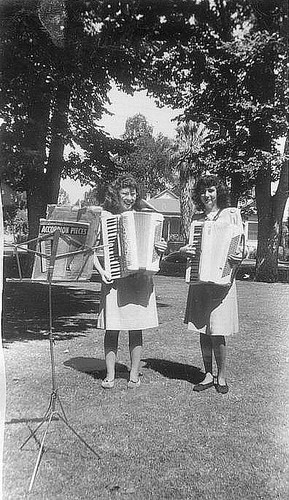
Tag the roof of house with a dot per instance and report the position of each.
(166, 202)
(166, 205)
(167, 193)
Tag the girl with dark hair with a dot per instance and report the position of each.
(212, 310)
(127, 303)
(207, 182)
(115, 204)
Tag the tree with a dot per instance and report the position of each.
(63, 197)
(223, 62)
(59, 59)
(44, 110)
(188, 144)
(232, 77)
(95, 196)
(150, 158)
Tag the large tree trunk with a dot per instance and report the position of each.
(270, 212)
(237, 187)
(187, 183)
(58, 134)
(36, 202)
(43, 181)
(35, 156)
(268, 242)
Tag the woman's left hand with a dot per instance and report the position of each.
(161, 246)
(235, 259)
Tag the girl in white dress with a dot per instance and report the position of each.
(212, 310)
(127, 303)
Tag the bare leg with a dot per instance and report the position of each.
(135, 349)
(110, 351)
(219, 347)
(207, 353)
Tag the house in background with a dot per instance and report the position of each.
(168, 204)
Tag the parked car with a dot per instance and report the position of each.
(174, 264)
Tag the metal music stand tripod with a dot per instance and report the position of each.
(55, 410)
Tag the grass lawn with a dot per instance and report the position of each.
(161, 441)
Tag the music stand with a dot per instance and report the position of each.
(52, 413)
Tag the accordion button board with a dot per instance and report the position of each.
(215, 241)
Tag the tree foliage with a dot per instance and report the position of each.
(232, 77)
(58, 61)
(188, 146)
(223, 62)
(150, 159)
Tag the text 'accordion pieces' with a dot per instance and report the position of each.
(67, 238)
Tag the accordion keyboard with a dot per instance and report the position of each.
(113, 247)
(194, 263)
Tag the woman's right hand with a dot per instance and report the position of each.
(105, 277)
(103, 274)
(189, 250)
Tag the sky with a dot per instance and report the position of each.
(124, 106)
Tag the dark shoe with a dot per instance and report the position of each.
(222, 389)
(203, 387)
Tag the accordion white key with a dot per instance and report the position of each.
(215, 241)
(129, 243)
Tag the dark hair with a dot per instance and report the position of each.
(207, 181)
(111, 201)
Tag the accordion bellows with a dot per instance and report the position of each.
(215, 241)
(129, 242)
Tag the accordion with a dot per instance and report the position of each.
(65, 247)
(129, 243)
(215, 241)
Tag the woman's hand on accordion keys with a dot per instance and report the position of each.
(161, 246)
(105, 277)
(235, 259)
(189, 250)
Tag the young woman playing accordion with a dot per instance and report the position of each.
(127, 303)
(212, 309)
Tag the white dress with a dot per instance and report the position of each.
(128, 304)
(213, 309)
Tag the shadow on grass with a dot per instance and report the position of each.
(96, 367)
(162, 304)
(173, 370)
(26, 311)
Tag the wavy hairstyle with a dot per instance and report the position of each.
(112, 201)
(223, 199)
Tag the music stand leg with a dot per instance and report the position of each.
(44, 419)
(40, 453)
(51, 411)
(77, 435)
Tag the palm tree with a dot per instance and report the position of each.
(189, 141)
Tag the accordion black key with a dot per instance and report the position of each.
(129, 243)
